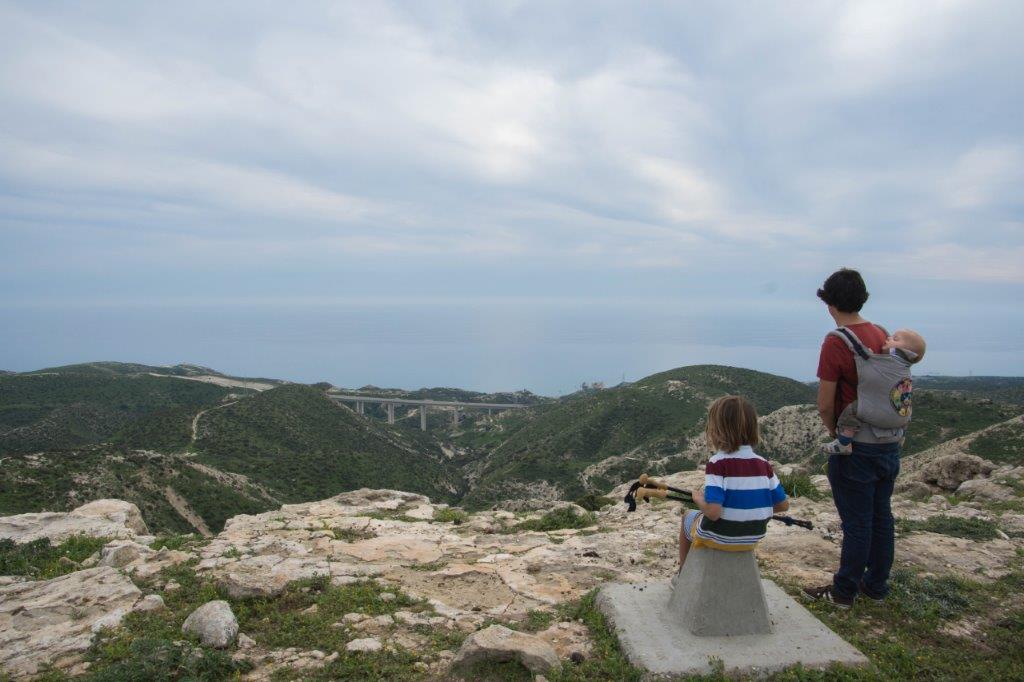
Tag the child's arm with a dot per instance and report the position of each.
(781, 506)
(712, 510)
(780, 502)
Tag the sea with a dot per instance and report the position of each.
(549, 347)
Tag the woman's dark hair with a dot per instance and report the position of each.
(845, 290)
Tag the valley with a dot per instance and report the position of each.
(193, 447)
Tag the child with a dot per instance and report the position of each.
(905, 345)
(741, 492)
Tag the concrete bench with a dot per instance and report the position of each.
(719, 593)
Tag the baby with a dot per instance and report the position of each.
(905, 345)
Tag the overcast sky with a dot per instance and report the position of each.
(194, 152)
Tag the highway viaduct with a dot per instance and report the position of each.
(389, 403)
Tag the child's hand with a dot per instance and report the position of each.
(698, 497)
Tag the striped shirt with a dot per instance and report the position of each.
(745, 485)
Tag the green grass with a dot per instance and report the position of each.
(41, 560)
(606, 661)
(957, 526)
(556, 519)
(903, 636)
(800, 485)
(151, 645)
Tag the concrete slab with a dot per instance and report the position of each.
(654, 638)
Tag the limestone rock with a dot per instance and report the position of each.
(111, 621)
(214, 623)
(365, 645)
(949, 471)
(914, 490)
(985, 489)
(151, 602)
(498, 643)
(101, 519)
(120, 554)
(51, 621)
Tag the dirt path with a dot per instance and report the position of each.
(195, 421)
(186, 512)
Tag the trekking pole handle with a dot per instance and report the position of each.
(643, 493)
(649, 482)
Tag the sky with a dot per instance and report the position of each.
(724, 156)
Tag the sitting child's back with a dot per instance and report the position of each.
(745, 485)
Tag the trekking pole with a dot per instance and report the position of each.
(647, 487)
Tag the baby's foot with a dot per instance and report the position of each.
(837, 448)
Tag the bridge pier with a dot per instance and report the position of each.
(455, 416)
(391, 413)
(423, 417)
(359, 408)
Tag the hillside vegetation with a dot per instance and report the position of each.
(651, 419)
(63, 480)
(303, 445)
(52, 411)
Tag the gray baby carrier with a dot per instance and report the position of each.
(884, 390)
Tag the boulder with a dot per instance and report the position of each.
(120, 554)
(985, 489)
(914, 490)
(949, 471)
(214, 623)
(151, 602)
(50, 622)
(100, 519)
(117, 512)
(498, 643)
(364, 645)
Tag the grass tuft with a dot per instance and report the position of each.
(957, 526)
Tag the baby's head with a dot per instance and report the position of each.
(907, 340)
(732, 423)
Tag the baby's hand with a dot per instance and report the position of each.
(698, 497)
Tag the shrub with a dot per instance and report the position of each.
(593, 502)
(557, 519)
(450, 515)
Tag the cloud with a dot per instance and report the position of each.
(525, 136)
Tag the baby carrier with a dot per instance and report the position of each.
(884, 390)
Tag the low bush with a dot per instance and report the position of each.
(957, 526)
(40, 560)
(557, 519)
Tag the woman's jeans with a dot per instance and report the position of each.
(862, 485)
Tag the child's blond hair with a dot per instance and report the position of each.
(732, 423)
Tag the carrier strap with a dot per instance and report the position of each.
(851, 340)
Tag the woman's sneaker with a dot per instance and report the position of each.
(837, 448)
(827, 595)
(869, 594)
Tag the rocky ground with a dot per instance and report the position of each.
(387, 583)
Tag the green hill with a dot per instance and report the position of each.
(41, 411)
(940, 415)
(651, 419)
(998, 389)
(168, 489)
(302, 445)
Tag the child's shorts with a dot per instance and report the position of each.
(690, 521)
